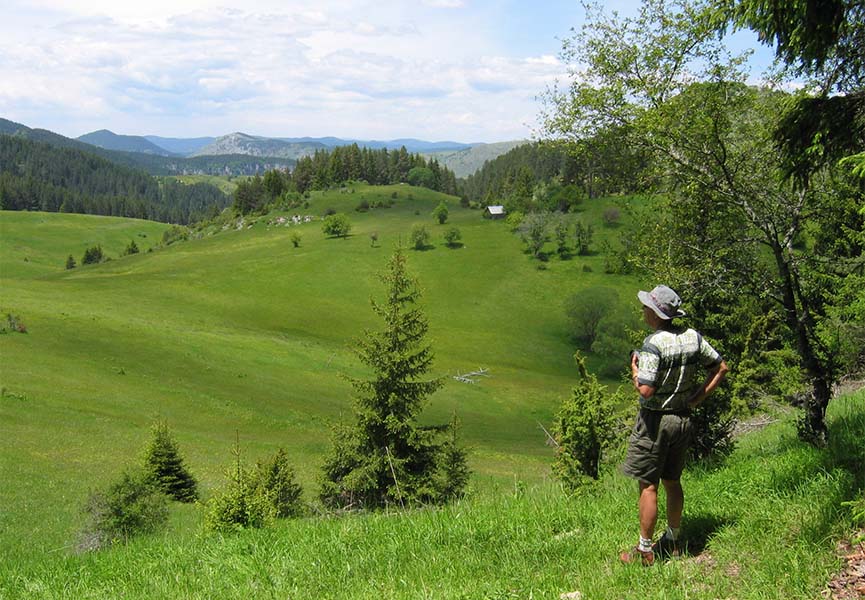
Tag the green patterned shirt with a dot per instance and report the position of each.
(673, 362)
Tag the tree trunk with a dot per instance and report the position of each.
(813, 428)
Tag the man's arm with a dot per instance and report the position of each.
(646, 391)
(716, 375)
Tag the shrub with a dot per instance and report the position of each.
(92, 255)
(452, 237)
(70, 262)
(164, 465)
(419, 237)
(585, 426)
(131, 506)
(585, 312)
(583, 235)
(612, 216)
(441, 212)
(514, 220)
(329, 211)
(336, 225)
(131, 248)
(238, 505)
(275, 481)
(295, 239)
(373, 238)
(363, 206)
(173, 234)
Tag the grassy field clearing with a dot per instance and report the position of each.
(764, 525)
(242, 332)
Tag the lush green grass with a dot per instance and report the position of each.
(761, 526)
(242, 332)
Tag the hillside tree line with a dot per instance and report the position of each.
(36, 176)
(326, 169)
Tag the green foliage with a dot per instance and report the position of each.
(586, 311)
(336, 225)
(163, 463)
(295, 238)
(738, 239)
(275, 481)
(250, 196)
(514, 220)
(534, 231)
(585, 426)
(560, 231)
(386, 457)
(239, 504)
(713, 427)
(70, 262)
(419, 237)
(92, 255)
(131, 248)
(441, 212)
(583, 235)
(131, 506)
(175, 233)
(612, 216)
(452, 237)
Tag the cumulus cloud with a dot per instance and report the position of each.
(281, 70)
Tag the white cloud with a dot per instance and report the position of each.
(184, 68)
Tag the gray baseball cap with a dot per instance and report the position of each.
(663, 301)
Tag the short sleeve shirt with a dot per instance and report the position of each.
(674, 363)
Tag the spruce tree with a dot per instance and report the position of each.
(164, 465)
(275, 480)
(386, 457)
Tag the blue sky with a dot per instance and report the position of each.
(463, 70)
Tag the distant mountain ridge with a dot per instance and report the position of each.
(125, 143)
(241, 153)
(154, 164)
(242, 143)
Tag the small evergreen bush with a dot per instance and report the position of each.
(584, 428)
(92, 255)
(239, 504)
(275, 481)
(164, 465)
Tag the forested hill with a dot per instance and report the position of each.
(598, 167)
(40, 176)
(155, 165)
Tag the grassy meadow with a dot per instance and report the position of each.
(242, 333)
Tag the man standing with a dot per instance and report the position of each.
(667, 373)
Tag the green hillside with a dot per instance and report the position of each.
(242, 332)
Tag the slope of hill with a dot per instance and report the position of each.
(125, 143)
(241, 143)
(466, 161)
(241, 331)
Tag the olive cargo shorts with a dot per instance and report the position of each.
(658, 445)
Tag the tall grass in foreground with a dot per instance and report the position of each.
(761, 526)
